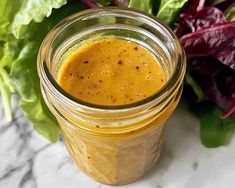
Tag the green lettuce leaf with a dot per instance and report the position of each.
(214, 131)
(144, 5)
(6, 98)
(15, 14)
(169, 10)
(1, 48)
(6, 61)
(18, 71)
(196, 88)
(23, 75)
(24, 79)
(215, 2)
(230, 13)
(42, 119)
(103, 2)
(7, 13)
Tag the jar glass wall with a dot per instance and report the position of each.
(112, 144)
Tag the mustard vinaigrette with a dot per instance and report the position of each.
(111, 71)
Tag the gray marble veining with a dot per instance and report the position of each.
(27, 160)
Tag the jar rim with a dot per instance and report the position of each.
(46, 77)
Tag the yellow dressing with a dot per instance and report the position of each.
(111, 71)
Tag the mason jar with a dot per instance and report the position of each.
(112, 144)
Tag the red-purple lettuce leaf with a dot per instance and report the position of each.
(91, 3)
(205, 18)
(217, 41)
(216, 80)
(209, 41)
(226, 53)
(195, 6)
(191, 9)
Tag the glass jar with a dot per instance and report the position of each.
(112, 144)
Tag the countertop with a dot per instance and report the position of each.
(27, 160)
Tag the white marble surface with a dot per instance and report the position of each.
(27, 160)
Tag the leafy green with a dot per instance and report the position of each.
(15, 14)
(6, 96)
(22, 70)
(43, 121)
(144, 5)
(214, 131)
(103, 2)
(230, 13)
(215, 2)
(196, 88)
(1, 48)
(6, 89)
(7, 13)
(169, 9)
(23, 78)
(18, 71)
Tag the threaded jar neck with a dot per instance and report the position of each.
(122, 23)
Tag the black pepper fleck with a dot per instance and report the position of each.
(120, 62)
